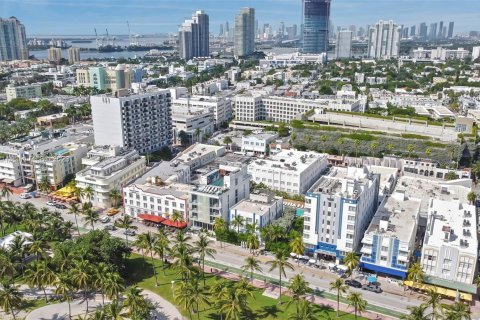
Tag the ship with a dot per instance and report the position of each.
(81, 41)
(137, 47)
(110, 48)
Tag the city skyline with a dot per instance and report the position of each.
(149, 17)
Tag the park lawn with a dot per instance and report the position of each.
(262, 307)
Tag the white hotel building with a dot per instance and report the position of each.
(290, 171)
(338, 210)
(220, 106)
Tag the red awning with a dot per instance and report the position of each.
(151, 217)
(175, 224)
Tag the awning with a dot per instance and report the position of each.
(151, 218)
(342, 267)
(175, 224)
(325, 252)
(7, 180)
(443, 291)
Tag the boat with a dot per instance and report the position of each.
(81, 41)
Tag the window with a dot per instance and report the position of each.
(351, 208)
(306, 228)
(182, 205)
(166, 202)
(159, 201)
(383, 258)
(384, 248)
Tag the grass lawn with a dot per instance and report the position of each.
(261, 307)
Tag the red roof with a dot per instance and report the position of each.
(151, 217)
(175, 224)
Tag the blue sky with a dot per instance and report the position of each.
(66, 17)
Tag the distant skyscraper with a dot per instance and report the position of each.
(423, 31)
(54, 55)
(13, 42)
(245, 32)
(433, 31)
(413, 31)
(73, 55)
(450, 30)
(384, 40)
(220, 33)
(316, 17)
(194, 37)
(343, 48)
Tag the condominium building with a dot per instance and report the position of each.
(55, 55)
(112, 173)
(11, 172)
(384, 40)
(450, 247)
(248, 108)
(343, 48)
(192, 122)
(113, 79)
(338, 210)
(194, 37)
(140, 121)
(59, 164)
(440, 53)
(244, 32)
(13, 40)
(198, 155)
(261, 209)
(289, 170)
(258, 143)
(30, 91)
(220, 106)
(73, 55)
(316, 22)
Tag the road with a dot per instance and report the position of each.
(393, 297)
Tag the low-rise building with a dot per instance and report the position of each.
(258, 143)
(30, 91)
(290, 171)
(193, 123)
(11, 172)
(261, 209)
(198, 155)
(220, 106)
(52, 119)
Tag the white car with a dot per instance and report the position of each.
(25, 196)
(51, 203)
(105, 220)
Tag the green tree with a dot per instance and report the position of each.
(390, 148)
(339, 286)
(114, 311)
(356, 301)
(138, 307)
(182, 294)
(87, 193)
(202, 247)
(113, 285)
(162, 247)
(428, 151)
(298, 288)
(219, 226)
(297, 246)
(323, 138)
(356, 145)
(149, 241)
(415, 273)
(306, 312)
(351, 260)
(456, 311)
(434, 302)
(410, 149)
(44, 184)
(416, 313)
(238, 222)
(90, 215)
(340, 143)
(73, 209)
(281, 263)
(115, 196)
(251, 264)
(471, 197)
(5, 191)
(373, 147)
(227, 140)
(126, 222)
(64, 288)
(40, 275)
(10, 298)
(81, 275)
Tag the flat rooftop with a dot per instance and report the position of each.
(289, 160)
(178, 190)
(257, 207)
(163, 170)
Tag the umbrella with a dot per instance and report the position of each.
(371, 279)
(293, 254)
(331, 265)
(342, 267)
(312, 261)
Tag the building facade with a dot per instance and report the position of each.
(54, 55)
(384, 40)
(139, 121)
(13, 41)
(30, 91)
(73, 55)
(316, 17)
(343, 49)
(244, 32)
(194, 37)
(104, 79)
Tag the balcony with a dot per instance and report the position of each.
(367, 250)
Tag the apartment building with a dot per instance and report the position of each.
(194, 122)
(139, 121)
(338, 210)
(198, 155)
(261, 209)
(258, 143)
(289, 170)
(30, 91)
(220, 106)
(109, 174)
(58, 164)
(248, 108)
(11, 172)
(107, 78)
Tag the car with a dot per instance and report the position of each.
(110, 227)
(112, 211)
(60, 206)
(129, 232)
(353, 283)
(51, 203)
(105, 220)
(25, 196)
(372, 288)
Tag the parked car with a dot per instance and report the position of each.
(105, 220)
(60, 206)
(25, 196)
(129, 232)
(353, 283)
(51, 203)
(372, 288)
(110, 227)
(112, 211)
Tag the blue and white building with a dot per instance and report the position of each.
(338, 210)
(389, 241)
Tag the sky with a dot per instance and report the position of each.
(80, 17)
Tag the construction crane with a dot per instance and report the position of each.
(96, 37)
(129, 34)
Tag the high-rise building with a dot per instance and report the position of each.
(433, 31)
(413, 31)
(343, 49)
(384, 40)
(73, 55)
(316, 17)
(194, 37)
(54, 55)
(440, 34)
(139, 121)
(450, 29)
(13, 42)
(423, 31)
(245, 32)
(220, 33)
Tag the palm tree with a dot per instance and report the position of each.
(82, 277)
(410, 149)
(40, 275)
(113, 285)
(476, 169)
(162, 247)
(141, 243)
(100, 277)
(10, 298)
(390, 148)
(471, 197)
(177, 216)
(115, 195)
(36, 248)
(64, 288)
(227, 140)
(297, 246)
(238, 222)
(351, 260)
(428, 151)
(356, 144)
(220, 226)
(373, 147)
(135, 302)
(434, 302)
(323, 138)
(197, 295)
(252, 242)
(339, 286)
(306, 312)
(197, 134)
(5, 191)
(416, 313)
(415, 273)
(125, 222)
(340, 143)
(75, 211)
(281, 263)
(90, 216)
(356, 301)
(203, 250)
(44, 184)
(457, 311)
(298, 288)
(251, 265)
(182, 294)
(114, 311)
(149, 242)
